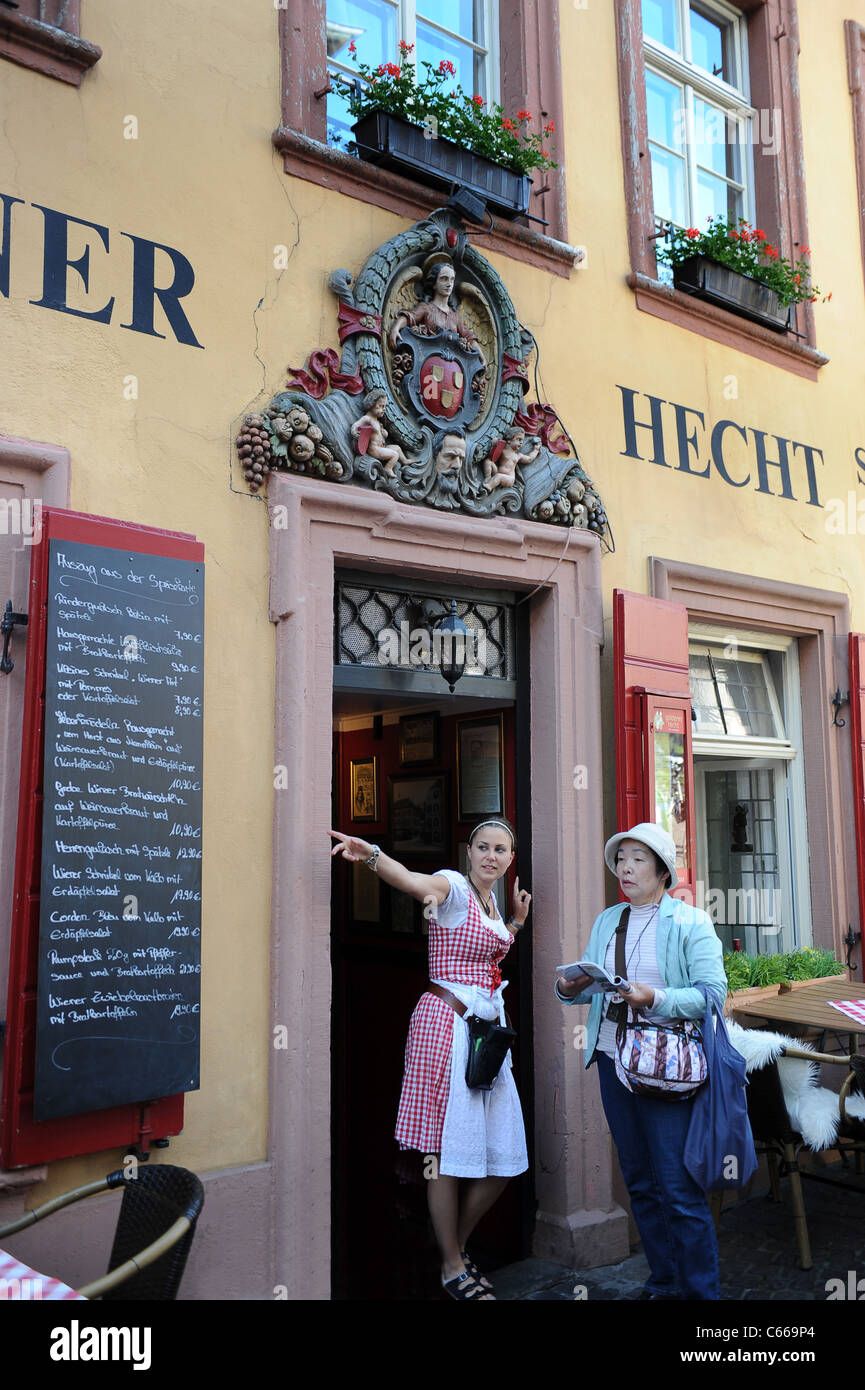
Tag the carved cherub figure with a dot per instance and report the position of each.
(371, 436)
(500, 466)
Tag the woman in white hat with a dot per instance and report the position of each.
(670, 950)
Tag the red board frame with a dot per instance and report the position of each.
(650, 672)
(22, 1140)
(857, 730)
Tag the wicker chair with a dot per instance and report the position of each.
(154, 1231)
(775, 1136)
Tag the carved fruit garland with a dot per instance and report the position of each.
(290, 440)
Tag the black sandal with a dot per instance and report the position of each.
(463, 1287)
(474, 1271)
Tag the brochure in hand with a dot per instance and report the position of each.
(602, 981)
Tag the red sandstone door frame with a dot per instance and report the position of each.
(316, 528)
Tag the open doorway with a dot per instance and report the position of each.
(408, 775)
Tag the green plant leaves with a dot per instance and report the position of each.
(440, 106)
(745, 249)
(744, 971)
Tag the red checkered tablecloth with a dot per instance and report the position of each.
(19, 1282)
(853, 1008)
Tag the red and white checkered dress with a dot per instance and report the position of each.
(466, 952)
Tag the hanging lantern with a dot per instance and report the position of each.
(450, 638)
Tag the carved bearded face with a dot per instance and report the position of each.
(449, 461)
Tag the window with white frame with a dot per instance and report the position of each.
(463, 32)
(698, 111)
(752, 834)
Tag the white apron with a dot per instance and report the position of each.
(483, 1134)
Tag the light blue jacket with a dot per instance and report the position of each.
(689, 954)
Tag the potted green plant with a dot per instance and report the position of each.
(752, 978)
(434, 131)
(734, 265)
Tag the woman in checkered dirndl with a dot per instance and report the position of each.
(473, 1134)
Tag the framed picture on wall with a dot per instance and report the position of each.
(480, 771)
(419, 820)
(403, 912)
(364, 789)
(365, 894)
(499, 888)
(419, 738)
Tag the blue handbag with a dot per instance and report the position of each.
(719, 1149)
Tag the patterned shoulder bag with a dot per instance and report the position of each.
(663, 1060)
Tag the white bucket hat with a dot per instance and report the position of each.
(655, 836)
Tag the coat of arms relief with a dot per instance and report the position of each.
(427, 400)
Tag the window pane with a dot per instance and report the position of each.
(668, 186)
(742, 835)
(716, 199)
(745, 699)
(432, 47)
(463, 17)
(371, 25)
(711, 48)
(664, 111)
(716, 140)
(661, 22)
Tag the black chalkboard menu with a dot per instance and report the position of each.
(120, 915)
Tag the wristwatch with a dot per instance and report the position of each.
(372, 862)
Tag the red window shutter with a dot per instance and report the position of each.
(857, 729)
(654, 756)
(22, 1140)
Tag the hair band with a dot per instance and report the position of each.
(482, 823)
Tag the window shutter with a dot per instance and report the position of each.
(22, 1140)
(654, 757)
(857, 729)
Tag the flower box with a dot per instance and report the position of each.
(718, 284)
(748, 1000)
(395, 144)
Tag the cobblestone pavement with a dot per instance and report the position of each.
(758, 1255)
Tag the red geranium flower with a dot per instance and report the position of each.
(478, 100)
(735, 236)
(692, 232)
(351, 47)
(549, 127)
(447, 66)
(797, 279)
(508, 124)
(405, 47)
(524, 115)
(806, 250)
(759, 234)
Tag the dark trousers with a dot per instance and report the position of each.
(671, 1211)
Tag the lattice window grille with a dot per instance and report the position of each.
(381, 627)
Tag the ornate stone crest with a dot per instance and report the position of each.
(426, 401)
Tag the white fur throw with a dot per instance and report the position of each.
(814, 1111)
